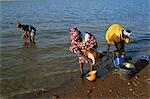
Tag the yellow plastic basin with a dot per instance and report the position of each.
(91, 76)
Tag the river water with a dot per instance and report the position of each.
(50, 64)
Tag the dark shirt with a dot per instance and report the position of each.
(28, 28)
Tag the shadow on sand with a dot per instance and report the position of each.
(139, 65)
(104, 66)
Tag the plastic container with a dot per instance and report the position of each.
(145, 58)
(91, 76)
(117, 62)
(126, 71)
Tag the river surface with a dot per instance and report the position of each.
(50, 64)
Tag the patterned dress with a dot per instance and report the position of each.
(77, 45)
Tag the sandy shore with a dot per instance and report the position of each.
(108, 86)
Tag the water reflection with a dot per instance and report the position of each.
(28, 45)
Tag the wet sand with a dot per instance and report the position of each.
(108, 86)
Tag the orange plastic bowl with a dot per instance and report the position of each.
(91, 76)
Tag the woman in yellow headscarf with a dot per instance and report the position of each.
(118, 36)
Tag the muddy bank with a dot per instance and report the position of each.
(107, 86)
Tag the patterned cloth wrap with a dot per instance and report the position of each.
(75, 45)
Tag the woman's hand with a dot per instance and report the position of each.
(89, 60)
(24, 36)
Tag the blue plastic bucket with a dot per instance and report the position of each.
(117, 62)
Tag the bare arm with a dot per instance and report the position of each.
(108, 48)
(24, 35)
(81, 53)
